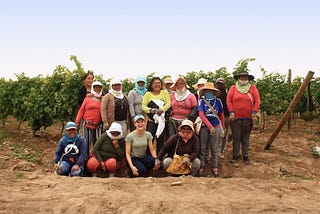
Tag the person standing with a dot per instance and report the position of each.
(71, 152)
(135, 97)
(211, 113)
(155, 103)
(85, 90)
(115, 107)
(243, 101)
(221, 85)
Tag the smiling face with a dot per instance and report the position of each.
(140, 124)
(88, 80)
(156, 85)
(116, 87)
(185, 131)
(180, 84)
(97, 88)
(72, 132)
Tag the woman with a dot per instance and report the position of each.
(85, 90)
(243, 102)
(115, 107)
(71, 152)
(183, 104)
(137, 142)
(108, 151)
(211, 113)
(185, 142)
(198, 86)
(135, 97)
(155, 103)
(89, 112)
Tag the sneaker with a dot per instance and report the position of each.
(215, 172)
(234, 159)
(246, 160)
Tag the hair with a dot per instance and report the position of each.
(151, 82)
(90, 72)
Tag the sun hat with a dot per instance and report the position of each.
(186, 123)
(70, 125)
(174, 86)
(209, 86)
(168, 80)
(237, 76)
(137, 117)
(201, 81)
(96, 83)
(141, 79)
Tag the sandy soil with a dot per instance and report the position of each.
(284, 179)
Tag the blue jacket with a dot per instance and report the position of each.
(78, 152)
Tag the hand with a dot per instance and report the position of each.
(105, 126)
(153, 111)
(157, 163)
(75, 168)
(55, 166)
(212, 131)
(231, 117)
(134, 171)
(186, 162)
(159, 112)
(103, 167)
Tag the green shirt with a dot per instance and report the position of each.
(139, 144)
(104, 149)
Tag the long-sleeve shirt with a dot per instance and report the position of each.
(89, 110)
(243, 105)
(164, 96)
(181, 109)
(191, 147)
(135, 103)
(207, 116)
(103, 148)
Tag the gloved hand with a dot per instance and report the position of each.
(105, 126)
(159, 112)
(186, 162)
(255, 119)
(212, 131)
(153, 111)
(157, 162)
(231, 117)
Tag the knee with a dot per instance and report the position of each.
(166, 163)
(92, 164)
(111, 164)
(196, 163)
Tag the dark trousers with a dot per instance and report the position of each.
(152, 128)
(144, 164)
(241, 130)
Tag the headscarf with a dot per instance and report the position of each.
(115, 127)
(243, 88)
(95, 94)
(141, 90)
(117, 94)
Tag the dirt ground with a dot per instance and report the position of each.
(284, 179)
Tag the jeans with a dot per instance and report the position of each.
(143, 165)
(205, 139)
(64, 168)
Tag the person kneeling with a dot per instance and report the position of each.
(71, 152)
(185, 144)
(108, 151)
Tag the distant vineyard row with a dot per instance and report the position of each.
(43, 101)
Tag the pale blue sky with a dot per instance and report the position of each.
(130, 38)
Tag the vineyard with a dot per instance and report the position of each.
(43, 101)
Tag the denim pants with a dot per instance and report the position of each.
(144, 164)
(205, 140)
(64, 168)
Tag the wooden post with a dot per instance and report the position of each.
(289, 89)
(290, 109)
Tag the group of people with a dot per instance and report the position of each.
(151, 125)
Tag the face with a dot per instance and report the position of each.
(140, 124)
(243, 78)
(180, 84)
(115, 134)
(72, 132)
(185, 131)
(168, 85)
(97, 88)
(116, 87)
(200, 86)
(140, 83)
(89, 80)
(156, 85)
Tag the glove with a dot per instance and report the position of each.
(159, 112)
(186, 162)
(212, 131)
(105, 126)
(255, 119)
(157, 162)
(153, 111)
(231, 117)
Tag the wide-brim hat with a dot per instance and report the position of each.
(237, 76)
(174, 86)
(186, 123)
(201, 81)
(209, 86)
(168, 80)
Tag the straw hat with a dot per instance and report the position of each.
(209, 86)
(174, 86)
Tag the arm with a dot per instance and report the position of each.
(131, 98)
(256, 96)
(103, 110)
(195, 148)
(167, 100)
(145, 101)
(83, 151)
(97, 147)
(129, 160)
(118, 146)
(152, 149)
(59, 152)
(81, 111)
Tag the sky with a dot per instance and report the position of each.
(169, 37)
